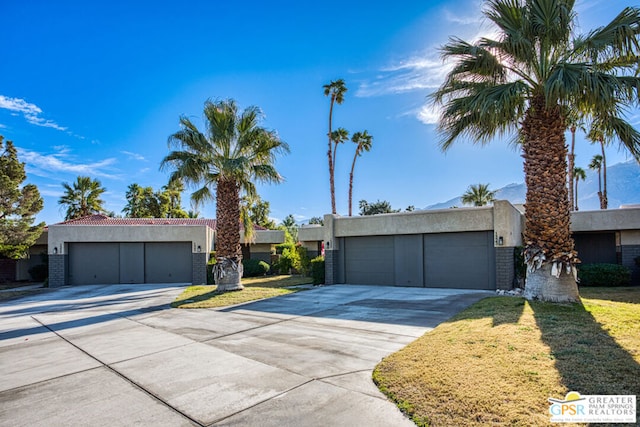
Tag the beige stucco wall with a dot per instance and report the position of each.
(508, 223)
(60, 235)
(311, 233)
(630, 237)
(273, 237)
(607, 219)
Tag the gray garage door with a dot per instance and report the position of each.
(136, 262)
(369, 260)
(93, 263)
(167, 262)
(446, 260)
(459, 260)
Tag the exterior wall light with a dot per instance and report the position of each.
(55, 250)
(500, 241)
(199, 248)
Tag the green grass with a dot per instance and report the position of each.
(255, 288)
(498, 362)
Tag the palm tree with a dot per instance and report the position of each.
(596, 135)
(335, 90)
(524, 81)
(578, 174)
(83, 198)
(478, 195)
(574, 122)
(363, 142)
(596, 165)
(338, 136)
(231, 155)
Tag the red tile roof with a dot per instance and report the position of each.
(106, 220)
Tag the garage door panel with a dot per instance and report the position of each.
(369, 260)
(132, 262)
(168, 262)
(409, 267)
(459, 260)
(94, 263)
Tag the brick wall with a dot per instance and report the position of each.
(199, 272)
(57, 273)
(330, 267)
(629, 252)
(505, 271)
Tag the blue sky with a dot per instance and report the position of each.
(96, 87)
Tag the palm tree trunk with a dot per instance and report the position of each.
(548, 243)
(576, 195)
(228, 267)
(600, 185)
(572, 157)
(331, 166)
(605, 202)
(353, 165)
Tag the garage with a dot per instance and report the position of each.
(440, 260)
(129, 262)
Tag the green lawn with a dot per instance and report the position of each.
(498, 362)
(255, 288)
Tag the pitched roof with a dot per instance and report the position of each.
(105, 220)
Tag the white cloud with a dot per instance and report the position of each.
(3, 126)
(408, 75)
(31, 112)
(57, 163)
(134, 156)
(428, 114)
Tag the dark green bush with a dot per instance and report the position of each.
(317, 270)
(39, 272)
(604, 275)
(281, 247)
(304, 261)
(254, 268)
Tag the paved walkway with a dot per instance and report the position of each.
(117, 355)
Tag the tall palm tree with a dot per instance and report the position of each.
(596, 135)
(231, 155)
(335, 90)
(596, 165)
(524, 81)
(574, 122)
(578, 174)
(478, 195)
(363, 142)
(82, 198)
(338, 136)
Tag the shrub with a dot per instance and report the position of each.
(604, 275)
(39, 272)
(317, 270)
(254, 268)
(305, 262)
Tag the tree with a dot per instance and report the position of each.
(258, 211)
(335, 90)
(231, 155)
(378, 207)
(18, 205)
(316, 220)
(363, 143)
(410, 208)
(289, 225)
(171, 196)
(596, 135)
(578, 174)
(596, 165)
(478, 195)
(82, 198)
(525, 80)
(574, 122)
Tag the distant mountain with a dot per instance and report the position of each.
(623, 188)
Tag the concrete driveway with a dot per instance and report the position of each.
(118, 355)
